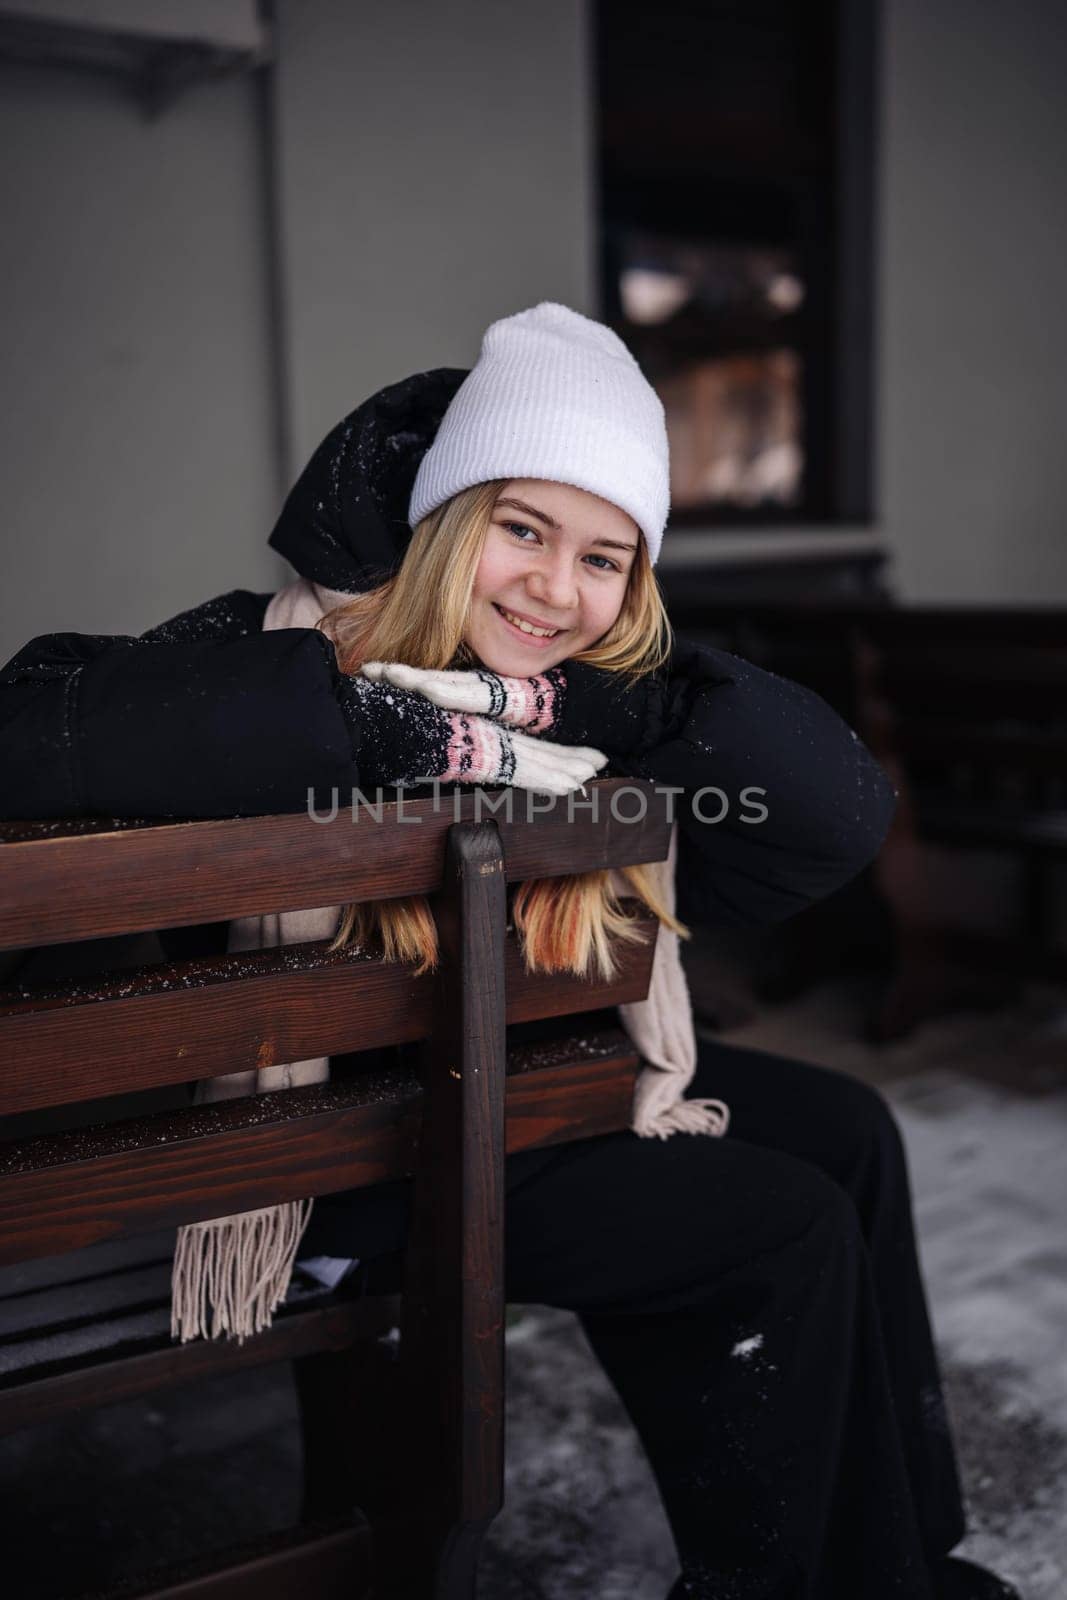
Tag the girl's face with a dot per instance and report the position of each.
(558, 558)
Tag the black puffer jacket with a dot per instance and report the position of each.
(207, 715)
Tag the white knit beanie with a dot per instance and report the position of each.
(554, 395)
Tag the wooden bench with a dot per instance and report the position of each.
(408, 1430)
(966, 708)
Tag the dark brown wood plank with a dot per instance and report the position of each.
(87, 1383)
(187, 1166)
(577, 1098)
(65, 1191)
(198, 1019)
(61, 887)
(558, 994)
(331, 1564)
(452, 1333)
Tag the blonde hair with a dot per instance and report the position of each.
(418, 616)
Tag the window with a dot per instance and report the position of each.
(736, 245)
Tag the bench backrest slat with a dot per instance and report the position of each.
(161, 1026)
(56, 887)
(214, 1165)
(64, 1192)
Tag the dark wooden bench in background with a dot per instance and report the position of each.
(408, 1430)
(966, 708)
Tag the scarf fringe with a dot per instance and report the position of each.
(687, 1116)
(238, 1266)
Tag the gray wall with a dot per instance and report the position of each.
(135, 454)
(138, 455)
(436, 173)
(973, 346)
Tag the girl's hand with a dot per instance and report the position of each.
(402, 738)
(530, 703)
(575, 703)
(550, 768)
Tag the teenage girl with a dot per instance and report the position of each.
(754, 1296)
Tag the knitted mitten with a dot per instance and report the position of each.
(574, 703)
(403, 737)
(530, 703)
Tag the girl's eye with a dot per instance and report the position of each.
(519, 528)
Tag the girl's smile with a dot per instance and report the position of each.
(538, 634)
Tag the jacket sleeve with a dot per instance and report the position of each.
(793, 804)
(204, 716)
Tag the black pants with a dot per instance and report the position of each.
(757, 1302)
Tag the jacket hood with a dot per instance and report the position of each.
(345, 522)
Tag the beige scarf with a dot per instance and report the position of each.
(232, 1273)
